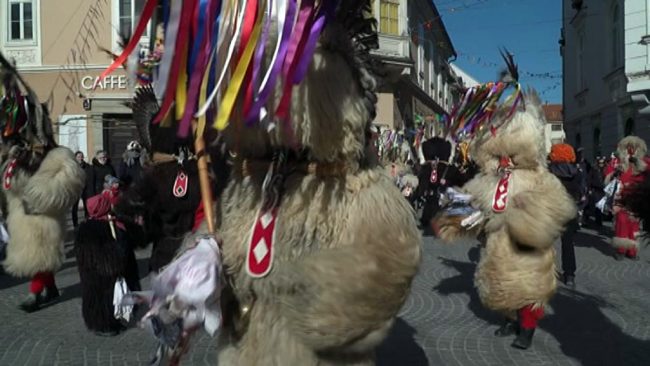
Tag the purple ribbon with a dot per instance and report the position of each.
(324, 15)
(254, 114)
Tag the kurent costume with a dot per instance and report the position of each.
(318, 246)
(104, 250)
(167, 193)
(524, 208)
(40, 182)
(629, 169)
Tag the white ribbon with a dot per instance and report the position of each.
(170, 45)
(240, 10)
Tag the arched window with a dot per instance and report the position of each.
(629, 127)
(616, 35)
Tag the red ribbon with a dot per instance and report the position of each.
(181, 41)
(147, 12)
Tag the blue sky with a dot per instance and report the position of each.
(530, 29)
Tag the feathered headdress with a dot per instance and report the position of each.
(23, 119)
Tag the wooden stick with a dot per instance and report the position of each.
(204, 179)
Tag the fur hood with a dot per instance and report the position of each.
(521, 138)
(638, 148)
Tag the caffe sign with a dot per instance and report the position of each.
(110, 82)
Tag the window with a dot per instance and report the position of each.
(556, 127)
(616, 35)
(578, 140)
(129, 11)
(580, 63)
(21, 20)
(389, 16)
(596, 149)
(629, 127)
(421, 43)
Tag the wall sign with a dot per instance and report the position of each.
(109, 82)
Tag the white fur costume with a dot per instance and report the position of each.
(37, 207)
(347, 245)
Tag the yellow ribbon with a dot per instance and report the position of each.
(181, 87)
(203, 95)
(228, 102)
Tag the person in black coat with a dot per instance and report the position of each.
(596, 186)
(563, 166)
(95, 174)
(79, 156)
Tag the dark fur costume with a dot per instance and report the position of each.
(437, 153)
(167, 218)
(101, 260)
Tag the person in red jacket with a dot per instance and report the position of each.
(628, 168)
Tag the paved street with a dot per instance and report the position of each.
(604, 321)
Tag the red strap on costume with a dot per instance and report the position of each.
(199, 216)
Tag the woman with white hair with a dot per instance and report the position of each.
(133, 160)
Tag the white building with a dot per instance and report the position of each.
(467, 80)
(416, 49)
(606, 85)
(554, 131)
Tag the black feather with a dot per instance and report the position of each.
(511, 74)
(145, 107)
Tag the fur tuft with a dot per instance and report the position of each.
(56, 185)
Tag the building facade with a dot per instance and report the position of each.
(56, 47)
(416, 51)
(554, 131)
(606, 82)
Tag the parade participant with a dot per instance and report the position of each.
(130, 168)
(104, 251)
(436, 174)
(523, 207)
(563, 166)
(167, 194)
(325, 269)
(41, 181)
(629, 168)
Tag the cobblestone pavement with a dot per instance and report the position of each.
(604, 321)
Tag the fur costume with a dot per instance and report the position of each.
(167, 218)
(101, 259)
(40, 182)
(629, 168)
(516, 273)
(37, 204)
(346, 245)
(437, 173)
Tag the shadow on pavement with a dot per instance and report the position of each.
(7, 280)
(585, 240)
(401, 348)
(463, 282)
(586, 334)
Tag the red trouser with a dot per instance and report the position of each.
(40, 281)
(529, 316)
(626, 227)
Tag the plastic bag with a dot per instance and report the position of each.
(121, 311)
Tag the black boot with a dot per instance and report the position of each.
(508, 327)
(31, 303)
(50, 293)
(524, 339)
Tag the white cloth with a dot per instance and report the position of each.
(189, 288)
(121, 311)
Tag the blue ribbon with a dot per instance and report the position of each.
(198, 39)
